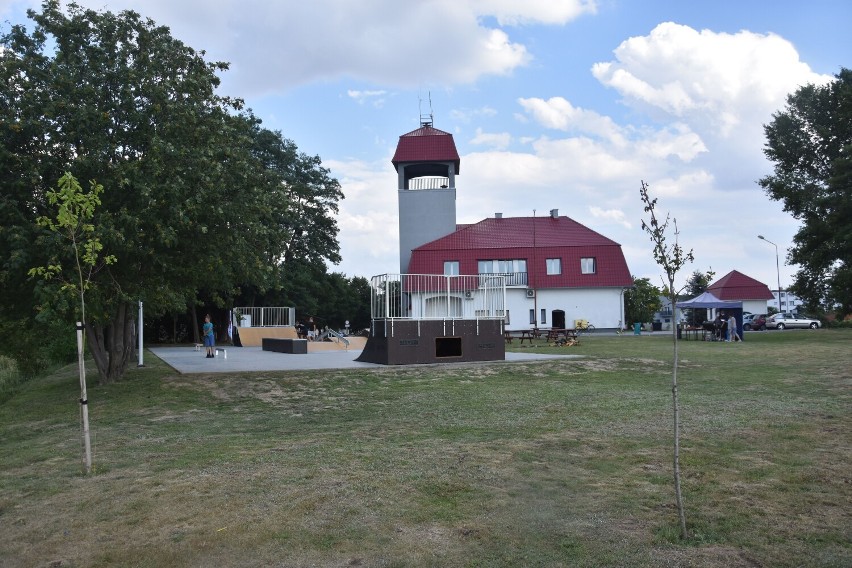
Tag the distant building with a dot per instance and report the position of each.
(557, 270)
(789, 301)
(737, 286)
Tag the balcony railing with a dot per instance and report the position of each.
(511, 278)
(437, 296)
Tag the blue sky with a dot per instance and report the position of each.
(553, 104)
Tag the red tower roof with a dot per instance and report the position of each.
(426, 144)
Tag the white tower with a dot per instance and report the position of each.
(427, 162)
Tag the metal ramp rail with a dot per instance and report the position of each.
(329, 333)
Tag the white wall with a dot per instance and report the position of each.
(754, 306)
(602, 307)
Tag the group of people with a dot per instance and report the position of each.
(304, 330)
(307, 330)
(725, 329)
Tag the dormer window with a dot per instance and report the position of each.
(588, 265)
(554, 266)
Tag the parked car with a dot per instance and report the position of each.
(755, 322)
(785, 320)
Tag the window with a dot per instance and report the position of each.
(451, 268)
(543, 316)
(506, 318)
(502, 266)
(532, 316)
(554, 266)
(515, 270)
(587, 265)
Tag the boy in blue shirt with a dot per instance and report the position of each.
(207, 332)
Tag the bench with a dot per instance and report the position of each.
(284, 345)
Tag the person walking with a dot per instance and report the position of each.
(209, 340)
(732, 329)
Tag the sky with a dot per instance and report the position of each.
(553, 104)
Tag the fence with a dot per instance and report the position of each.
(433, 296)
(264, 317)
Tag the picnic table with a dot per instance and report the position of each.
(555, 333)
(521, 334)
(563, 337)
(694, 333)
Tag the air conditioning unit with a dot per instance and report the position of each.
(530, 293)
(468, 294)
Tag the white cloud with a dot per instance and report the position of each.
(512, 12)
(615, 215)
(368, 216)
(498, 141)
(559, 114)
(274, 46)
(719, 83)
(466, 115)
(376, 98)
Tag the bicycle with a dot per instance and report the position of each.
(588, 328)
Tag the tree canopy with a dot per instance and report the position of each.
(199, 200)
(810, 143)
(642, 301)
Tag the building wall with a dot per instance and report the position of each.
(424, 215)
(602, 307)
(755, 306)
(789, 302)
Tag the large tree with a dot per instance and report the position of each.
(192, 209)
(642, 301)
(810, 143)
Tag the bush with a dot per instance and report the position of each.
(10, 377)
(36, 346)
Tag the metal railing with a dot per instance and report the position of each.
(329, 333)
(263, 316)
(512, 278)
(429, 182)
(437, 296)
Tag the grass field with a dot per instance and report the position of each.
(562, 463)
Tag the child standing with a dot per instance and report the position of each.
(207, 332)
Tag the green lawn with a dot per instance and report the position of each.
(563, 463)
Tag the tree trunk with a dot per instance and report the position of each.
(193, 323)
(112, 345)
(678, 494)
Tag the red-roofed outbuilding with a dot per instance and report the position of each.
(737, 286)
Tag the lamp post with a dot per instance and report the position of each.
(777, 269)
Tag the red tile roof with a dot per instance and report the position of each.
(533, 239)
(426, 144)
(737, 286)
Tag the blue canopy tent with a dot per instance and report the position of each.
(709, 301)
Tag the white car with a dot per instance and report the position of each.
(785, 320)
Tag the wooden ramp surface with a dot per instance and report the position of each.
(253, 337)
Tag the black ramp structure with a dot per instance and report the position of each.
(410, 342)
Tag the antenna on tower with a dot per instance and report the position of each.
(426, 119)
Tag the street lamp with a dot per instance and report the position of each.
(777, 269)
